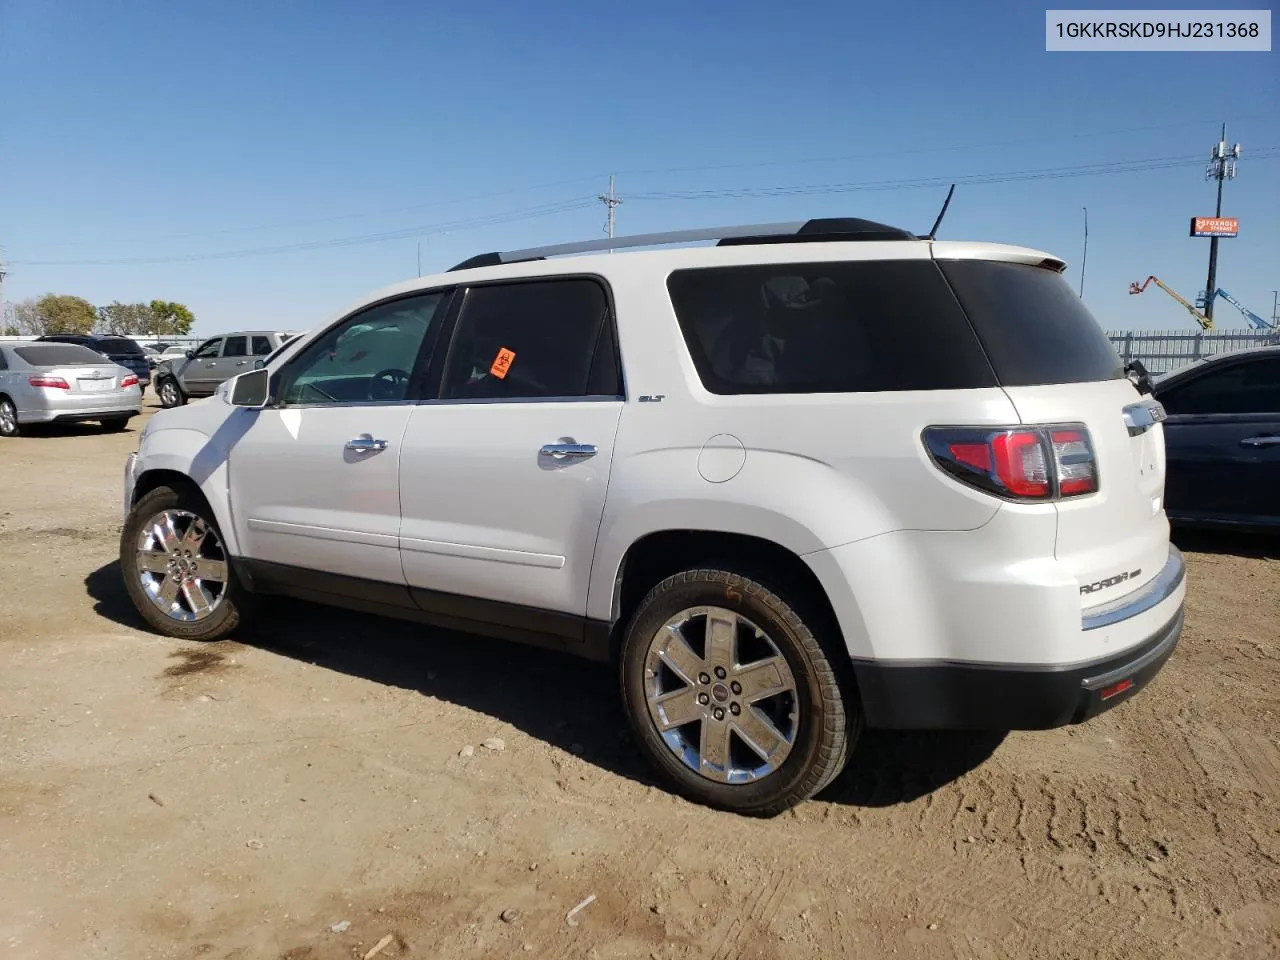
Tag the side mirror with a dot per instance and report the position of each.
(190, 354)
(259, 364)
(251, 389)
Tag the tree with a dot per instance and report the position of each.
(63, 313)
(22, 319)
(125, 319)
(171, 319)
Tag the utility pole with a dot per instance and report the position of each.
(1222, 166)
(419, 258)
(1084, 258)
(1275, 298)
(610, 200)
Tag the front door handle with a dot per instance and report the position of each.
(366, 443)
(210, 363)
(1267, 440)
(569, 451)
(241, 363)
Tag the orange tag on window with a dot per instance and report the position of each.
(502, 362)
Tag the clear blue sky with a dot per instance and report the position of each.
(147, 130)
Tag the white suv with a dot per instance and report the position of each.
(814, 477)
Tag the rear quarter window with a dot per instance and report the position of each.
(831, 327)
(1034, 328)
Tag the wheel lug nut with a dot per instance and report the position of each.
(719, 713)
(703, 678)
(720, 672)
(734, 708)
(736, 687)
(703, 699)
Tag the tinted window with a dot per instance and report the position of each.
(1032, 325)
(235, 347)
(119, 346)
(261, 346)
(368, 358)
(55, 354)
(532, 339)
(1249, 387)
(835, 327)
(209, 348)
(4, 361)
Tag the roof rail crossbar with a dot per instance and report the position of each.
(798, 231)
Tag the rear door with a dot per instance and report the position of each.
(199, 372)
(503, 475)
(1223, 437)
(1058, 367)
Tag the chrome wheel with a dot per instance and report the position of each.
(169, 393)
(181, 565)
(721, 695)
(8, 418)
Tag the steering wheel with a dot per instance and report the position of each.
(389, 384)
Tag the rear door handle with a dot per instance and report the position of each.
(365, 444)
(1268, 440)
(569, 451)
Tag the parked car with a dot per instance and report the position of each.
(197, 373)
(814, 478)
(63, 382)
(121, 350)
(1222, 440)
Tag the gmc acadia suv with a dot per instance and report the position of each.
(815, 477)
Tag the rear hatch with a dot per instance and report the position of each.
(1057, 366)
(125, 352)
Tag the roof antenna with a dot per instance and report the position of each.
(942, 213)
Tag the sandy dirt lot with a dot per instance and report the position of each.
(300, 794)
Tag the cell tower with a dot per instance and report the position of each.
(1222, 166)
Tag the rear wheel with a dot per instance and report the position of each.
(176, 569)
(8, 418)
(170, 393)
(731, 695)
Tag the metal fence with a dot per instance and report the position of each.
(1164, 351)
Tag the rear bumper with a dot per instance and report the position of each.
(981, 696)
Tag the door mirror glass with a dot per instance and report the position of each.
(251, 389)
(190, 354)
(259, 364)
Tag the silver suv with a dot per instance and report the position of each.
(214, 361)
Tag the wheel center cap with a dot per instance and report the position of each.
(720, 692)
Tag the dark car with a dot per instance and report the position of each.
(1222, 440)
(120, 350)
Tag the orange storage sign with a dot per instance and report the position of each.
(1215, 226)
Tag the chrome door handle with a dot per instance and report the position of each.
(366, 443)
(1264, 441)
(241, 363)
(569, 451)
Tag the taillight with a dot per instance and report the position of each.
(129, 381)
(1017, 463)
(54, 383)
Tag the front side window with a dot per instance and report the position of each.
(1252, 386)
(368, 358)
(209, 349)
(235, 347)
(533, 339)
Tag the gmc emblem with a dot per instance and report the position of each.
(1110, 581)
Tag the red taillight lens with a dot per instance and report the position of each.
(129, 381)
(1018, 463)
(1073, 457)
(54, 383)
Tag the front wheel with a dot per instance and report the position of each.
(170, 394)
(731, 695)
(177, 570)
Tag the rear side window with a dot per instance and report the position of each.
(1252, 386)
(261, 346)
(56, 354)
(837, 327)
(235, 347)
(1033, 326)
(536, 339)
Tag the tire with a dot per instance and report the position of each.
(170, 393)
(8, 418)
(228, 600)
(818, 722)
(115, 424)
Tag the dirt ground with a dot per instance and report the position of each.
(247, 799)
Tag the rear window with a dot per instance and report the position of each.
(1033, 326)
(120, 345)
(833, 327)
(57, 354)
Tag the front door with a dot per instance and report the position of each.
(199, 371)
(503, 475)
(316, 474)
